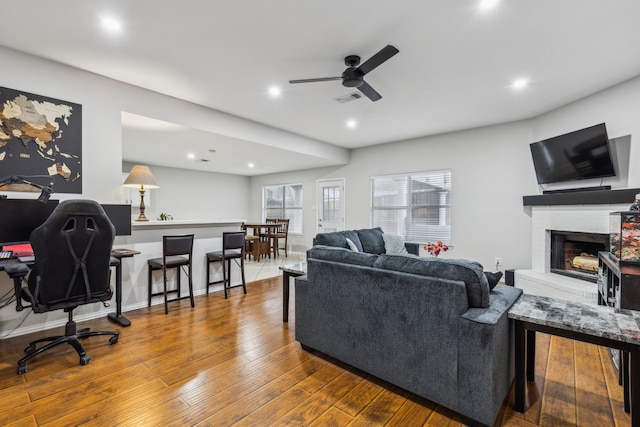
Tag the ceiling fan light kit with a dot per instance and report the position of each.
(353, 76)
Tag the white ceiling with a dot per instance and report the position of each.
(454, 69)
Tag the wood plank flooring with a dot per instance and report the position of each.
(235, 363)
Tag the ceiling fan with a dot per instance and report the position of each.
(353, 76)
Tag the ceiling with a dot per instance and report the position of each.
(454, 71)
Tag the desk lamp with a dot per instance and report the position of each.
(45, 190)
(140, 177)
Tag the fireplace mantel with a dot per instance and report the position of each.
(597, 197)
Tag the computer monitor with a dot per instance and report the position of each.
(19, 217)
(120, 216)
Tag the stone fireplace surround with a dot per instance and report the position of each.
(586, 213)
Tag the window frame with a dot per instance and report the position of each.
(295, 227)
(435, 224)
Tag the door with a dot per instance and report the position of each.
(331, 205)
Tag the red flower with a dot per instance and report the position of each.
(434, 249)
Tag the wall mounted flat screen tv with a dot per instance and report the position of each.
(582, 154)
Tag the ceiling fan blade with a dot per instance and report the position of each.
(384, 54)
(321, 79)
(369, 91)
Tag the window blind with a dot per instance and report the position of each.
(416, 206)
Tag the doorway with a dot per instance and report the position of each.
(331, 205)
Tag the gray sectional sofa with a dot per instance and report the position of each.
(428, 325)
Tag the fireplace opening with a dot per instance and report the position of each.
(575, 254)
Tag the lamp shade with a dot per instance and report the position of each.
(140, 176)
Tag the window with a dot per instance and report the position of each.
(415, 206)
(283, 201)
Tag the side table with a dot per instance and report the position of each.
(289, 271)
(600, 325)
(118, 254)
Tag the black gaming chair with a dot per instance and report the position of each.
(72, 267)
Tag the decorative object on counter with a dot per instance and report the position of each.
(434, 249)
(142, 178)
(165, 217)
(624, 236)
(635, 206)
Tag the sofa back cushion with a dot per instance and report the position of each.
(338, 239)
(371, 240)
(332, 253)
(469, 272)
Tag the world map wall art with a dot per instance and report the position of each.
(40, 140)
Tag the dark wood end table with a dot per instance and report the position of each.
(289, 271)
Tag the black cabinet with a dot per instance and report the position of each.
(618, 283)
(618, 286)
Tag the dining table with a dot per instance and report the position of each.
(263, 231)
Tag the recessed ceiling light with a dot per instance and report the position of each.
(111, 24)
(488, 4)
(351, 124)
(520, 83)
(274, 91)
(191, 156)
(250, 165)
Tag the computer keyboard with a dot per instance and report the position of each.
(6, 254)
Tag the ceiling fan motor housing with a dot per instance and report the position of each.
(352, 77)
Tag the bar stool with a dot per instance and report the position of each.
(176, 253)
(233, 245)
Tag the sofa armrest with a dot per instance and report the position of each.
(486, 358)
(412, 248)
(502, 298)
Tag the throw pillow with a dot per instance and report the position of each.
(493, 278)
(393, 244)
(338, 239)
(371, 240)
(352, 245)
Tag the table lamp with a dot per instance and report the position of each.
(140, 177)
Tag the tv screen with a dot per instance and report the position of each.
(583, 154)
(19, 217)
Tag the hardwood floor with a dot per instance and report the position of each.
(234, 362)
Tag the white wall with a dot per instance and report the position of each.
(188, 194)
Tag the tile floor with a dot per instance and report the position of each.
(269, 267)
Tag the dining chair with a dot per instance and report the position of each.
(267, 236)
(251, 244)
(282, 232)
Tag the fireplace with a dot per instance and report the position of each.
(575, 254)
